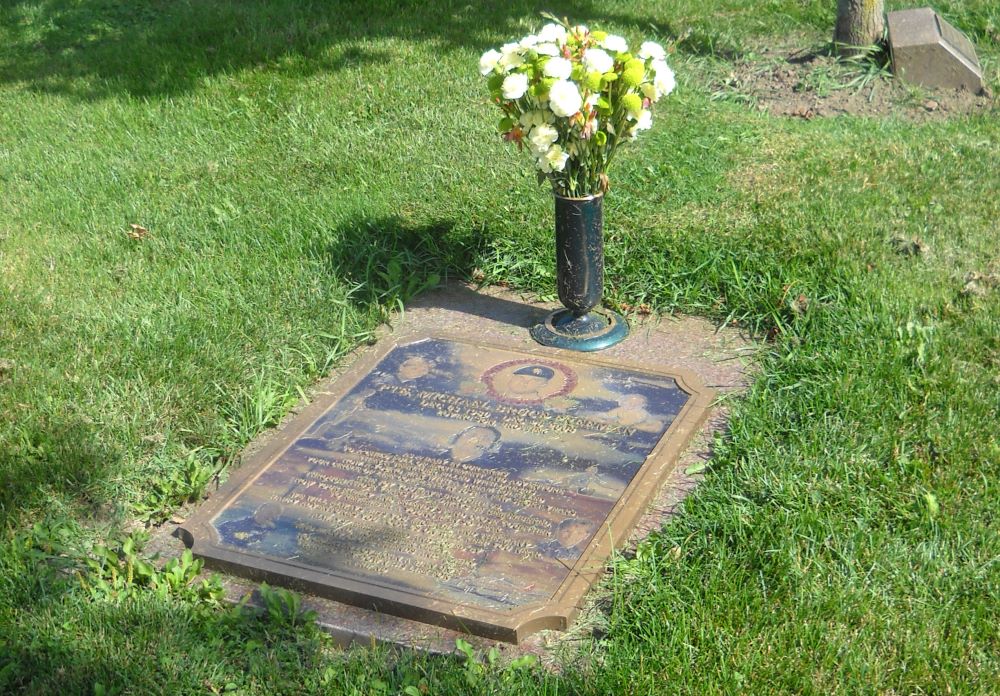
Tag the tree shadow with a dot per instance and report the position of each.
(93, 49)
(42, 457)
(140, 643)
(389, 261)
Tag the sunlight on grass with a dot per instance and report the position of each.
(304, 169)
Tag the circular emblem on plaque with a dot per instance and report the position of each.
(528, 381)
(414, 367)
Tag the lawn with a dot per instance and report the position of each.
(297, 170)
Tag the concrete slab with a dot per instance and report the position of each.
(720, 357)
(928, 51)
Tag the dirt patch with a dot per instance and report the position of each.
(808, 84)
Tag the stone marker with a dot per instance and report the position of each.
(928, 51)
(461, 484)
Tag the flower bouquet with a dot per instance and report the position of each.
(572, 96)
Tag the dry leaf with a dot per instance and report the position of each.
(904, 246)
(980, 284)
(799, 305)
(137, 231)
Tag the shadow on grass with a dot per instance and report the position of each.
(389, 261)
(93, 49)
(41, 457)
(139, 643)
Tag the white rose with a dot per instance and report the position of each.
(510, 56)
(556, 158)
(515, 85)
(546, 49)
(663, 79)
(564, 98)
(559, 68)
(488, 62)
(615, 43)
(553, 33)
(651, 49)
(596, 60)
(541, 138)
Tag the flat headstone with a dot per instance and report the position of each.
(459, 483)
(928, 51)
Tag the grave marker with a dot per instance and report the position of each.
(928, 51)
(464, 485)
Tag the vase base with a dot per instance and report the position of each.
(595, 330)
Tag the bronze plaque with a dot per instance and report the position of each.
(465, 485)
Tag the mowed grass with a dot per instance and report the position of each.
(302, 169)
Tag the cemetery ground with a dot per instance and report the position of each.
(205, 206)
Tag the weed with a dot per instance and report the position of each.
(179, 484)
(283, 607)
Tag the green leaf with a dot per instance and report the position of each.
(523, 662)
(696, 468)
(465, 648)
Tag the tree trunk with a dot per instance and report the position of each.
(859, 23)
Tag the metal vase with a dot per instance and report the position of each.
(580, 280)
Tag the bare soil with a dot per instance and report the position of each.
(802, 83)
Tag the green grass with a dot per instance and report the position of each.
(302, 168)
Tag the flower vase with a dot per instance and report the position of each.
(583, 325)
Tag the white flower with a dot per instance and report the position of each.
(593, 98)
(580, 29)
(554, 160)
(511, 57)
(651, 49)
(541, 138)
(546, 49)
(529, 119)
(564, 98)
(644, 122)
(528, 41)
(553, 33)
(596, 60)
(559, 68)
(615, 43)
(515, 85)
(488, 62)
(663, 79)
